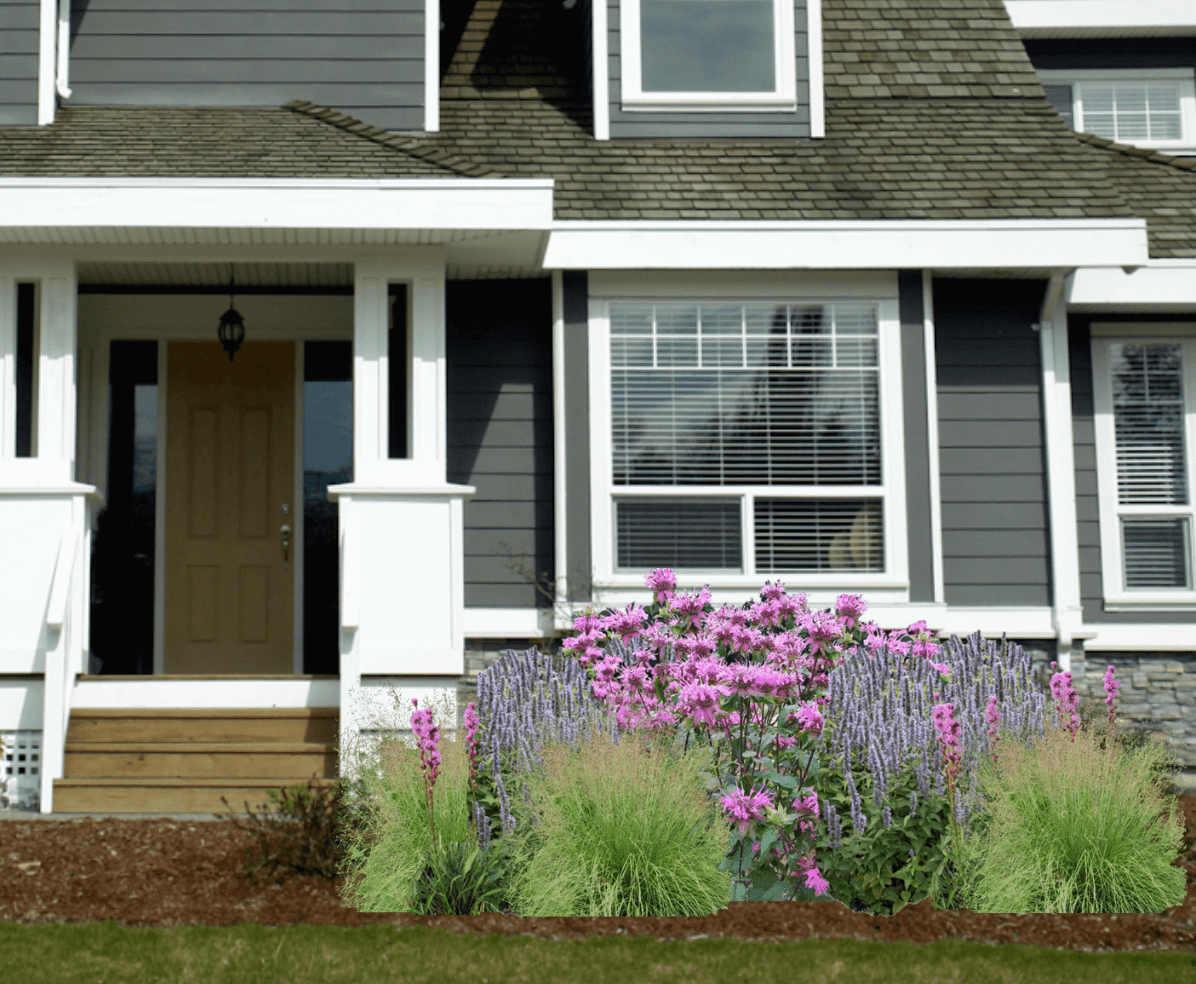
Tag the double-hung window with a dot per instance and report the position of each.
(1144, 388)
(747, 438)
(707, 55)
(1146, 107)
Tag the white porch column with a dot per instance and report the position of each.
(43, 510)
(402, 528)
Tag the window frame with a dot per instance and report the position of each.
(1116, 596)
(893, 581)
(1186, 77)
(783, 98)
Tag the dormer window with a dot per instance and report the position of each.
(1146, 107)
(693, 55)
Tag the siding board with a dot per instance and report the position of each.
(991, 463)
(499, 406)
(19, 28)
(365, 59)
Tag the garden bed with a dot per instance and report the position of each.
(161, 872)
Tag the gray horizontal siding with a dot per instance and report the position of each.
(1092, 591)
(19, 22)
(499, 406)
(991, 465)
(730, 124)
(917, 448)
(363, 57)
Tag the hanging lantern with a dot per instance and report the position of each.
(231, 331)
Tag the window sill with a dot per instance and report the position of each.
(654, 104)
(1118, 604)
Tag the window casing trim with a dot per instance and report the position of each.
(894, 580)
(1186, 77)
(634, 99)
(1116, 596)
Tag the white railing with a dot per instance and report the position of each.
(63, 660)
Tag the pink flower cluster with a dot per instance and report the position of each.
(429, 737)
(1111, 688)
(471, 737)
(993, 716)
(949, 731)
(1066, 697)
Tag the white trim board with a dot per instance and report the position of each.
(1142, 637)
(1102, 18)
(1160, 285)
(814, 67)
(508, 623)
(862, 245)
(197, 692)
(277, 204)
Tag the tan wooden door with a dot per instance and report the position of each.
(229, 490)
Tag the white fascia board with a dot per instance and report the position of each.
(862, 245)
(284, 203)
(1096, 18)
(1143, 636)
(1160, 284)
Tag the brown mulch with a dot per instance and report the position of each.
(170, 872)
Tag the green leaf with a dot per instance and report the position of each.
(789, 782)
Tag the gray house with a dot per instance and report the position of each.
(347, 343)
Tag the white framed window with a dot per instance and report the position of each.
(1146, 107)
(738, 439)
(1144, 393)
(702, 55)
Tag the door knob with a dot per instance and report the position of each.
(285, 530)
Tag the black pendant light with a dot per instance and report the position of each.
(232, 326)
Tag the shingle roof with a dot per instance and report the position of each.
(933, 111)
(171, 141)
(1158, 187)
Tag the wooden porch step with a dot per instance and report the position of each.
(215, 760)
(129, 795)
(175, 725)
(171, 760)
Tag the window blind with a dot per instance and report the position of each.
(1155, 553)
(1148, 420)
(744, 394)
(681, 534)
(1130, 111)
(818, 534)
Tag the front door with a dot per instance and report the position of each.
(229, 503)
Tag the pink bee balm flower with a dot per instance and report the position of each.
(747, 809)
(772, 592)
(850, 607)
(810, 719)
(663, 583)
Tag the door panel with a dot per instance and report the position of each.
(229, 471)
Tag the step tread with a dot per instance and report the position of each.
(185, 783)
(284, 713)
(218, 748)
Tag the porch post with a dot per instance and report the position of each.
(43, 510)
(402, 527)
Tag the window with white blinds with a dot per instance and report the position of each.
(774, 404)
(1143, 402)
(1147, 107)
(1152, 468)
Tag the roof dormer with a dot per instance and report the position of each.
(707, 68)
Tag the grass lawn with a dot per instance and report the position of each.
(105, 953)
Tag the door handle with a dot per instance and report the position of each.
(285, 530)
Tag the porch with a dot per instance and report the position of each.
(328, 614)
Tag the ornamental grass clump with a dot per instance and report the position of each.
(885, 795)
(620, 825)
(1074, 822)
(525, 700)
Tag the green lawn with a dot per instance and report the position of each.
(105, 953)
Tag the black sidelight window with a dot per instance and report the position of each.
(327, 460)
(122, 595)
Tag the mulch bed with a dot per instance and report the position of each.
(169, 872)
